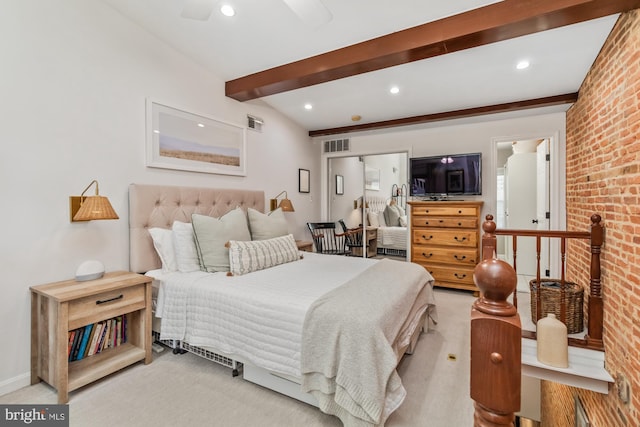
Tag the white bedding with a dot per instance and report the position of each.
(393, 237)
(260, 315)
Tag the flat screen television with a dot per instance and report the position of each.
(446, 175)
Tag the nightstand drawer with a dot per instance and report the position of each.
(84, 311)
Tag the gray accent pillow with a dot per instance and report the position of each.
(212, 234)
(266, 226)
(392, 216)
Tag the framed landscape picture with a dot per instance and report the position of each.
(178, 139)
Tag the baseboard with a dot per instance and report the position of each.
(15, 383)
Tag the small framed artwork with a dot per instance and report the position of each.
(581, 415)
(339, 185)
(371, 178)
(303, 181)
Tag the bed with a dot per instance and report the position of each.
(281, 324)
(392, 239)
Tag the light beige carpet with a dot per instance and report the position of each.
(187, 390)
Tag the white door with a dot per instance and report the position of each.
(521, 202)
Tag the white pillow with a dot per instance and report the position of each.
(212, 235)
(184, 245)
(381, 220)
(373, 219)
(267, 226)
(163, 243)
(403, 221)
(248, 256)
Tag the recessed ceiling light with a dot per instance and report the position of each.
(200, 125)
(308, 106)
(227, 10)
(394, 89)
(523, 64)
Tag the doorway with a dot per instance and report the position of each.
(523, 200)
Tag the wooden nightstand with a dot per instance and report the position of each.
(304, 245)
(60, 307)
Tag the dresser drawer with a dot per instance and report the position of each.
(446, 222)
(91, 309)
(463, 275)
(466, 238)
(454, 256)
(445, 210)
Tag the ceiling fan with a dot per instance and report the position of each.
(312, 12)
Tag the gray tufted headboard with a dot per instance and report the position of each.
(160, 205)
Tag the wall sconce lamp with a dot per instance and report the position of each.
(87, 208)
(285, 204)
(357, 203)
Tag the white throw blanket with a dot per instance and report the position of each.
(349, 365)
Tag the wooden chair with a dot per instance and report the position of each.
(326, 240)
(353, 237)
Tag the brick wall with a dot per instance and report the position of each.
(603, 176)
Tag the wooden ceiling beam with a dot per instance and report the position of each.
(493, 23)
(568, 98)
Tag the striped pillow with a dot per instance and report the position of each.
(248, 256)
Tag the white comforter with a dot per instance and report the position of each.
(393, 237)
(257, 317)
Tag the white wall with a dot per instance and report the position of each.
(73, 84)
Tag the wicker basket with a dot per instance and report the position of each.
(550, 302)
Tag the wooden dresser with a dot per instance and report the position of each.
(445, 239)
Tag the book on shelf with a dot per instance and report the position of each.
(72, 335)
(76, 344)
(118, 330)
(95, 336)
(85, 338)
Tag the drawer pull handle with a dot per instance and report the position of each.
(462, 258)
(104, 301)
(441, 221)
(459, 224)
(427, 238)
(427, 256)
(459, 212)
(426, 223)
(460, 276)
(460, 240)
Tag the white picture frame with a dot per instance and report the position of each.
(371, 178)
(181, 140)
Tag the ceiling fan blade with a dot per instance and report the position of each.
(198, 9)
(312, 12)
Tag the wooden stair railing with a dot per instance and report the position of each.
(593, 337)
(496, 346)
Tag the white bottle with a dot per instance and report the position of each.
(553, 346)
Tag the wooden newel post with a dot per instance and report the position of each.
(489, 242)
(496, 346)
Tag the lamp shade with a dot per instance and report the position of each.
(285, 204)
(95, 207)
(87, 208)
